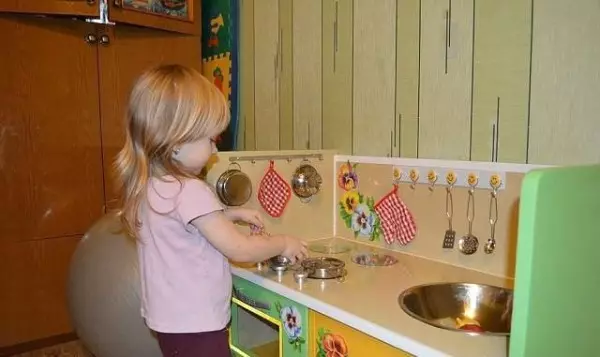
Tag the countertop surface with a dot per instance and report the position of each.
(368, 300)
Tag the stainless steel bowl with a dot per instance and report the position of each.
(279, 263)
(306, 182)
(469, 308)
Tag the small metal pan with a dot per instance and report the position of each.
(234, 187)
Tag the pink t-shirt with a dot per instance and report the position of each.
(186, 282)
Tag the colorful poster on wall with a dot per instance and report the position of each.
(219, 57)
(175, 8)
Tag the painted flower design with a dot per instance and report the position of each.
(331, 345)
(291, 320)
(347, 177)
(358, 213)
(292, 323)
(350, 201)
(363, 220)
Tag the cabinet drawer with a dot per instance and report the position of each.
(332, 336)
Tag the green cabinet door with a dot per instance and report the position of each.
(265, 324)
(502, 45)
(557, 282)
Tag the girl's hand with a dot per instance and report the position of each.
(247, 215)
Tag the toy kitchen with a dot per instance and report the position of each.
(414, 257)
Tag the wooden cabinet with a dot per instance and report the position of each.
(446, 68)
(333, 338)
(406, 126)
(178, 16)
(60, 7)
(502, 46)
(374, 77)
(119, 64)
(266, 74)
(50, 145)
(565, 86)
(307, 74)
(65, 86)
(337, 49)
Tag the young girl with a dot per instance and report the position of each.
(184, 234)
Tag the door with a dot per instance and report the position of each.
(502, 46)
(445, 89)
(374, 77)
(129, 51)
(172, 15)
(264, 324)
(334, 338)
(50, 151)
(253, 332)
(88, 8)
(564, 125)
(51, 168)
(337, 75)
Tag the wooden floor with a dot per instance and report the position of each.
(71, 349)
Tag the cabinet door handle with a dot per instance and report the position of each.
(449, 33)
(446, 45)
(91, 38)
(104, 40)
(335, 36)
(90, 2)
(496, 141)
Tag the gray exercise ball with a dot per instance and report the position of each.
(104, 294)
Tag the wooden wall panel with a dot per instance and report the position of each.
(247, 139)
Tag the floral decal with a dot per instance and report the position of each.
(331, 345)
(358, 213)
(356, 210)
(292, 325)
(347, 178)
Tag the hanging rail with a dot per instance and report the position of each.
(275, 157)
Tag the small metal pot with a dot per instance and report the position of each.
(279, 263)
(234, 187)
(306, 182)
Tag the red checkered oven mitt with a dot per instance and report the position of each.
(274, 192)
(397, 223)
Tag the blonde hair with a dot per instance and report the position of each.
(169, 105)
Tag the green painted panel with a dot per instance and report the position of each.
(293, 316)
(557, 282)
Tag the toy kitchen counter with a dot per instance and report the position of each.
(354, 312)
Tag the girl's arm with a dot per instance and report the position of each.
(224, 236)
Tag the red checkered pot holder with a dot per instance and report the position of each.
(397, 223)
(274, 192)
